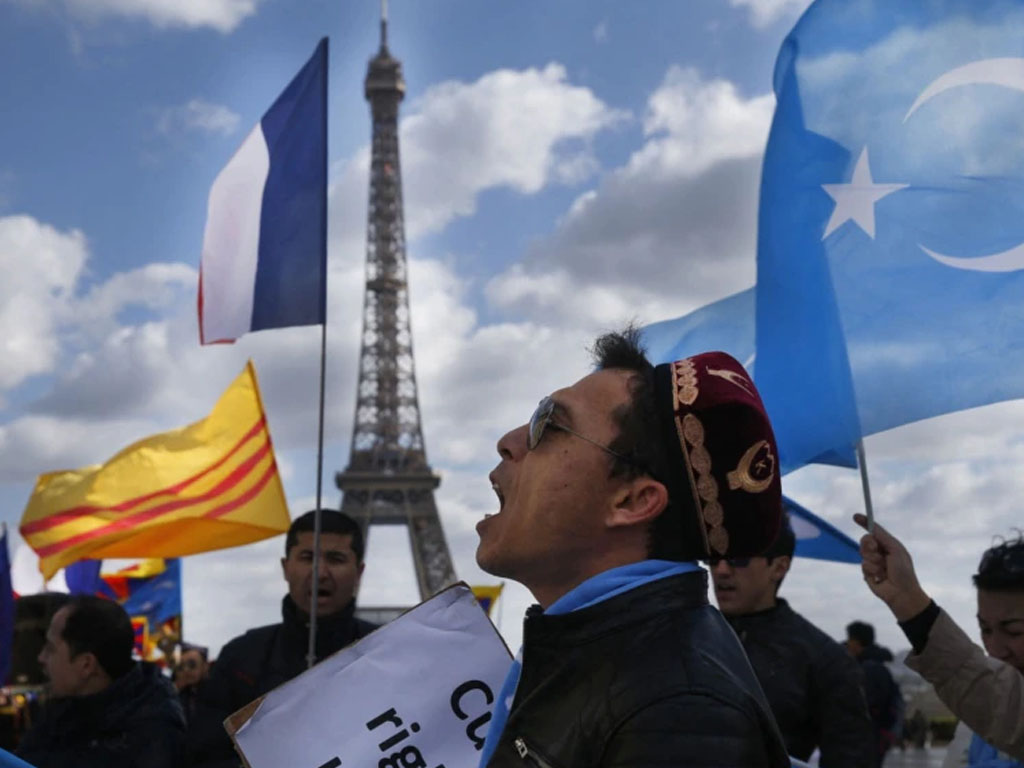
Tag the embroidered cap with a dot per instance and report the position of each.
(727, 491)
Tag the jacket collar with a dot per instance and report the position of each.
(141, 690)
(687, 590)
(763, 618)
(332, 631)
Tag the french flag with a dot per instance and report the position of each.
(264, 261)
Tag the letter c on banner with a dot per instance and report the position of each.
(472, 730)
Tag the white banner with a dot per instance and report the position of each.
(416, 693)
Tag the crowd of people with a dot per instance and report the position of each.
(610, 498)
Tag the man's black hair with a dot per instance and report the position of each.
(785, 542)
(331, 521)
(783, 546)
(1002, 567)
(639, 438)
(202, 650)
(100, 627)
(862, 632)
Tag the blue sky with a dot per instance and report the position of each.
(567, 166)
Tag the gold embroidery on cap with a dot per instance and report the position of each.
(693, 430)
(714, 515)
(756, 469)
(733, 377)
(692, 433)
(701, 460)
(684, 377)
(719, 539)
(707, 488)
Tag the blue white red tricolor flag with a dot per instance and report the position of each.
(264, 261)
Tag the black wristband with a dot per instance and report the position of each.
(917, 628)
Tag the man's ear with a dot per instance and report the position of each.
(779, 567)
(88, 664)
(284, 569)
(637, 502)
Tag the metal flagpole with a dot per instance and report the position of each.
(314, 585)
(862, 462)
(314, 581)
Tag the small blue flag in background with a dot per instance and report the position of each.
(6, 609)
(818, 539)
(83, 577)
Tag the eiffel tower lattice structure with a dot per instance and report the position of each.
(388, 479)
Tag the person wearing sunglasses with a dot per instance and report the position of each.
(190, 671)
(606, 499)
(815, 689)
(986, 692)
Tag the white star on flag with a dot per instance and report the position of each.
(856, 200)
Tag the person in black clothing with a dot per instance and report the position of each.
(105, 710)
(607, 498)
(885, 701)
(264, 658)
(190, 671)
(813, 686)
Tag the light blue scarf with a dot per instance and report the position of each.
(594, 590)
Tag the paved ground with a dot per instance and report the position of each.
(915, 758)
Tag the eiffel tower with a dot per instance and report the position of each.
(388, 479)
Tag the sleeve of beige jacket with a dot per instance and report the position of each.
(985, 693)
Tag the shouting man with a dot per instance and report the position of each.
(264, 658)
(608, 497)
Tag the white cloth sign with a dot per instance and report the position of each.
(416, 693)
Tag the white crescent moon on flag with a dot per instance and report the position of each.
(1009, 73)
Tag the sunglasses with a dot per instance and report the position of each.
(734, 562)
(541, 420)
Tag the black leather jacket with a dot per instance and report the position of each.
(813, 685)
(256, 663)
(653, 676)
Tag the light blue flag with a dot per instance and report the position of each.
(727, 325)
(9, 760)
(817, 538)
(890, 283)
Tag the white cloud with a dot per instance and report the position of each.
(520, 130)
(41, 267)
(601, 32)
(198, 115)
(694, 124)
(765, 12)
(668, 231)
(222, 15)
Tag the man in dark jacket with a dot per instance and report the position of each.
(617, 485)
(104, 709)
(885, 700)
(264, 658)
(813, 686)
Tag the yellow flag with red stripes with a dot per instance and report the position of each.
(210, 485)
